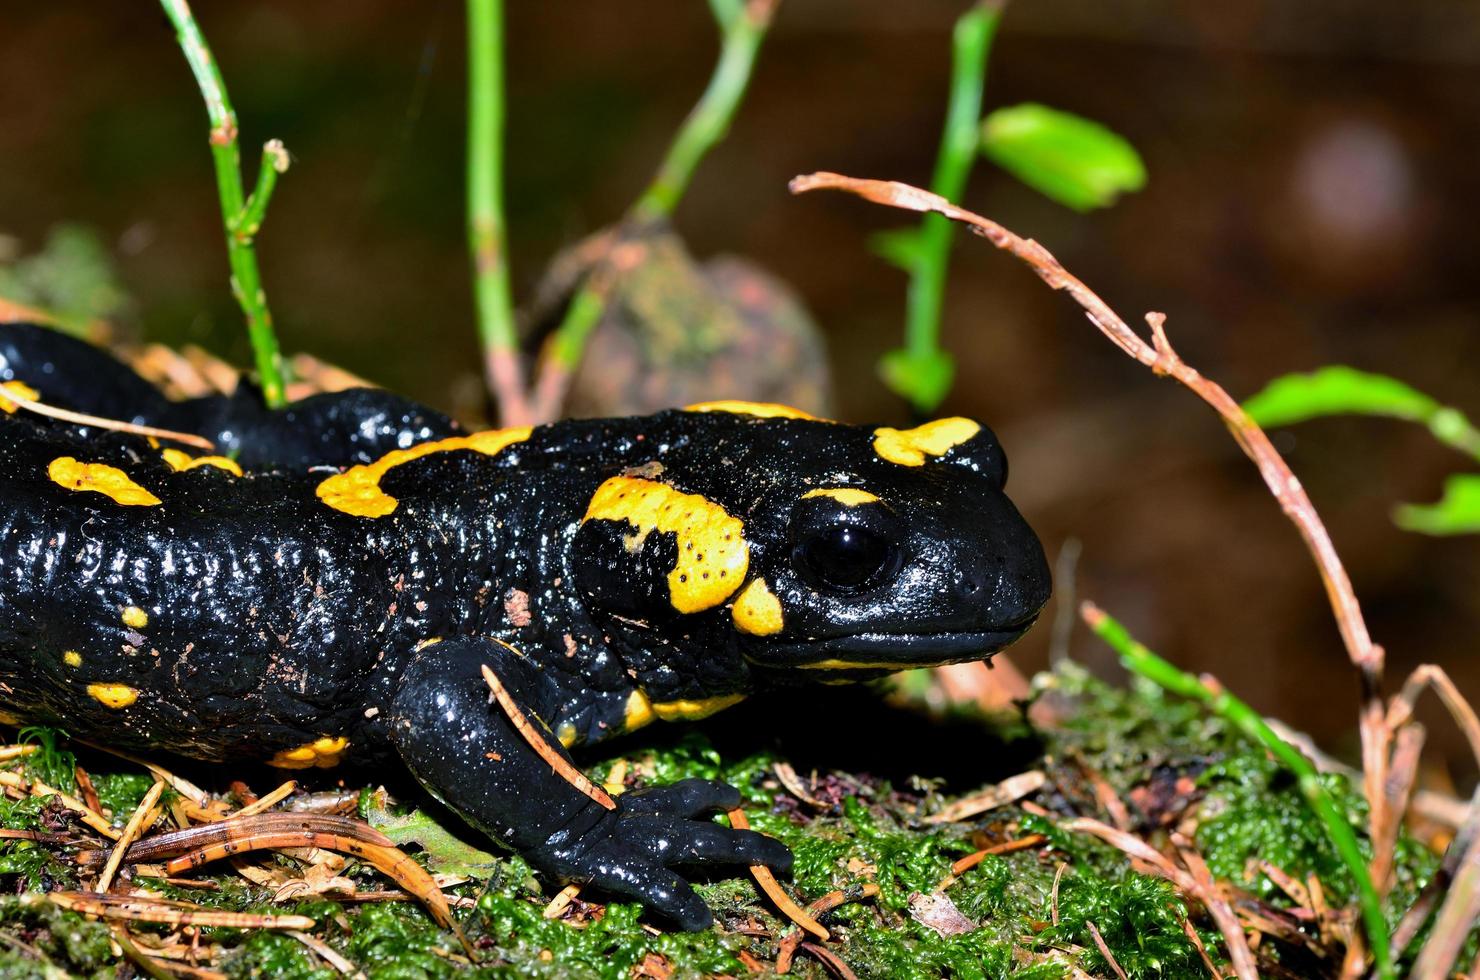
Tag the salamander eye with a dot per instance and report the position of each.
(845, 557)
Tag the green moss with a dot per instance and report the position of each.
(39, 939)
(51, 763)
(1135, 739)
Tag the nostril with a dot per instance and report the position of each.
(970, 585)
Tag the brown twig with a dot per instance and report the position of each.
(36, 787)
(970, 861)
(267, 802)
(138, 909)
(130, 832)
(1423, 678)
(327, 953)
(1158, 355)
(1195, 882)
(540, 744)
(79, 418)
(768, 884)
(1105, 949)
(1053, 898)
(1207, 892)
(830, 960)
(1191, 932)
(561, 901)
(1010, 789)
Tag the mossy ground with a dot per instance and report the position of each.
(1168, 761)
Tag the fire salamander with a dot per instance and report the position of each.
(331, 585)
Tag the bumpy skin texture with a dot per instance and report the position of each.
(657, 567)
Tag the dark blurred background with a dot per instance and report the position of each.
(1314, 179)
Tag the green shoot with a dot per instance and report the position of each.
(241, 214)
(486, 226)
(1340, 390)
(1139, 660)
(920, 371)
(743, 28)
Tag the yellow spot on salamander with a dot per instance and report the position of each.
(357, 490)
(566, 733)
(110, 481)
(182, 461)
(694, 710)
(761, 410)
(909, 447)
(321, 753)
(135, 617)
(17, 388)
(847, 496)
(713, 554)
(639, 712)
(430, 641)
(757, 611)
(72, 658)
(113, 695)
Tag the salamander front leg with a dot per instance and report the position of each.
(467, 753)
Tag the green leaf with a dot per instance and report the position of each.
(1073, 160)
(1458, 512)
(1337, 390)
(923, 379)
(901, 247)
(446, 853)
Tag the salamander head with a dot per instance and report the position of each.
(813, 547)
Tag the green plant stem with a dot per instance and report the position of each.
(743, 28)
(1140, 660)
(971, 45)
(486, 227)
(1450, 427)
(240, 217)
(709, 121)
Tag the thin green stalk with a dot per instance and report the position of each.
(1450, 427)
(924, 373)
(743, 29)
(710, 118)
(1138, 659)
(241, 217)
(486, 228)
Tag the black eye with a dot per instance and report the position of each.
(845, 557)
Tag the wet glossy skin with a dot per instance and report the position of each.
(291, 610)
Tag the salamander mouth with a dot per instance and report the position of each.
(877, 651)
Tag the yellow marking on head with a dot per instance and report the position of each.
(135, 617)
(72, 658)
(757, 611)
(357, 490)
(566, 733)
(909, 447)
(694, 710)
(110, 481)
(321, 753)
(761, 410)
(639, 712)
(181, 461)
(847, 496)
(20, 388)
(113, 695)
(713, 554)
(858, 665)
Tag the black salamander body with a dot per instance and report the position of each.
(336, 590)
